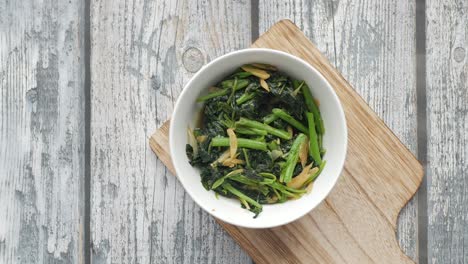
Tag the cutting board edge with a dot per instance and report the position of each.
(418, 170)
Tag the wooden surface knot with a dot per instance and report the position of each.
(193, 59)
(459, 54)
(31, 95)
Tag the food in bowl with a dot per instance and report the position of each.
(258, 138)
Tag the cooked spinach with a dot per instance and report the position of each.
(259, 139)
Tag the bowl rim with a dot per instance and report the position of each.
(340, 115)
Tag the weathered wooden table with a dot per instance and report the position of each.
(84, 83)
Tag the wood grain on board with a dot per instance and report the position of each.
(41, 131)
(372, 45)
(143, 52)
(447, 124)
(357, 221)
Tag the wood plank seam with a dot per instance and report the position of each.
(87, 127)
(421, 93)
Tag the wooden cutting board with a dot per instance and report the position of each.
(357, 221)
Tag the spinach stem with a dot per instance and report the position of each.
(271, 130)
(242, 83)
(239, 194)
(269, 118)
(244, 98)
(250, 131)
(233, 91)
(246, 157)
(313, 177)
(310, 103)
(241, 142)
(212, 95)
(291, 162)
(289, 119)
(314, 149)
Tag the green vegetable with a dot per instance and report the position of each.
(228, 87)
(241, 83)
(251, 131)
(288, 118)
(313, 108)
(241, 74)
(314, 149)
(251, 184)
(298, 86)
(313, 177)
(286, 191)
(246, 157)
(221, 180)
(273, 128)
(269, 118)
(233, 91)
(257, 207)
(241, 142)
(244, 98)
(213, 95)
(291, 162)
(269, 177)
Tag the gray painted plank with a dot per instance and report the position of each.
(374, 46)
(375, 51)
(143, 52)
(41, 131)
(447, 113)
(314, 18)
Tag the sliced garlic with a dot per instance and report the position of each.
(265, 66)
(264, 85)
(257, 72)
(232, 142)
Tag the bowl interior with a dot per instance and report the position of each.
(334, 140)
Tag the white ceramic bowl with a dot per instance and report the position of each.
(334, 140)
